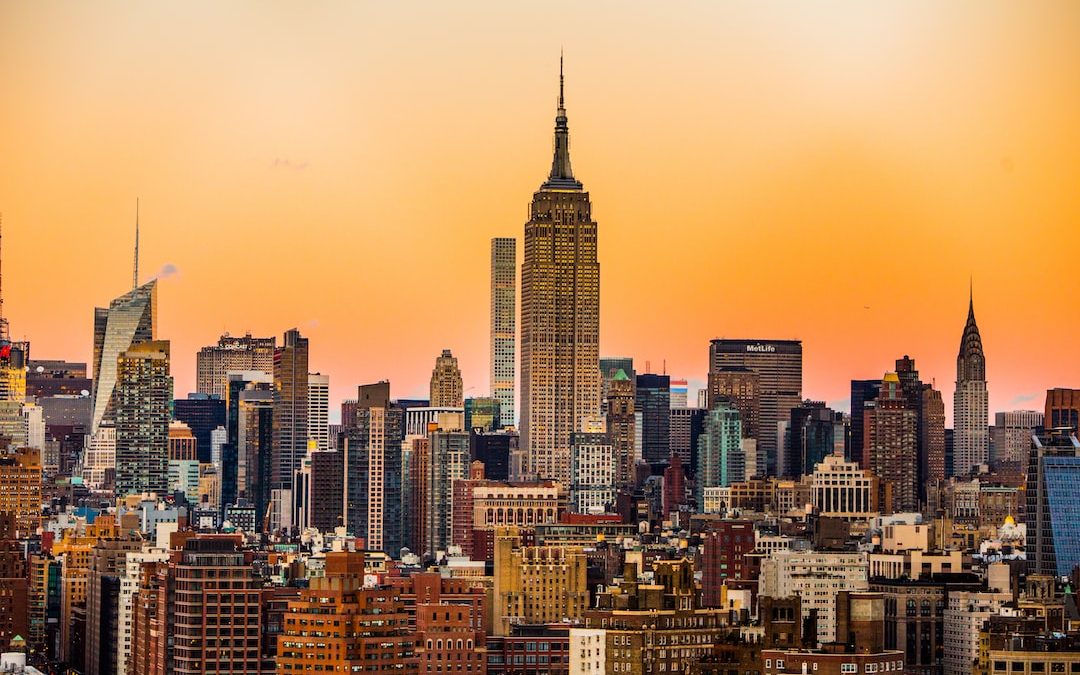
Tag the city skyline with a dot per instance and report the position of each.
(995, 188)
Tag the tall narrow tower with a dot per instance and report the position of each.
(560, 314)
(971, 436)
(504, 325)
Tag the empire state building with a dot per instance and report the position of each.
(560, 314)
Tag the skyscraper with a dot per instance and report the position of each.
(143, 393)
(203, 413)
(653, 401)
(290, 420)
(971, 437)
(504, 324)
(560, 314)
(862, 391)
(1010, 438)
(447, 389)
(720, 458)
(129, 319)
(319, 410)
(215, 362)
(891, 437)
(778, 365)
(373, 470)
(622, 427)
(1053, 510)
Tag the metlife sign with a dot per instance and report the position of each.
(761, 349)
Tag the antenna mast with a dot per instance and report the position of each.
(135, 273)
(4, 334)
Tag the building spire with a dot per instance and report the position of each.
(4, 334)
(561, 176)
(135, 272)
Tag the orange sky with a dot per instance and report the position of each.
(828, 171)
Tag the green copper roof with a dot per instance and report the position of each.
(620, 376)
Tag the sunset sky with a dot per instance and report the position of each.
(828, 171)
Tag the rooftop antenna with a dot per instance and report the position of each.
(135, 272)
(3, 322)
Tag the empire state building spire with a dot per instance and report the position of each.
(562, 176)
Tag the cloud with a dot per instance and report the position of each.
(168, 270)
(289, 164)
(1024, 398)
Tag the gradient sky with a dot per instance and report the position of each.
(830, 171)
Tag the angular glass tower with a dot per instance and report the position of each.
(129, 319)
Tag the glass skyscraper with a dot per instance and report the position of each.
(129, 319)
(1053, 503)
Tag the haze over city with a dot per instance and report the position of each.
(756, 169)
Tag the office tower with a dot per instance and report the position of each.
(129, 319)
(143, 392)
(483, 413)
(931, 440)
(861, 392)
(202, 413)
(686, 426)
(680, 395)
(930, 417)
(1053, 510)
(447, 389)
(183, 462)
(1010, 437)
(504, 324)
(592, 473)
(448, 445)
(1062, 409)
(560, 314)
(290, 421)
(814, 433)
(34, 422)
(216, 616)
(720, 458)
(890, 434)
(20, 488)
(778, 365)
(971, 441)
(373, 470)
(419, 418)
(319, 410)
(247, 466)
(214, 362)
(362, 629)
(622, 427)
(653, 401)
